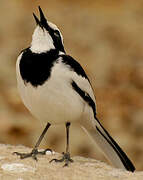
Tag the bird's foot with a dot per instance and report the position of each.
(33, 154)
(66, 158)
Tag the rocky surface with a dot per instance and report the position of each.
(11, 167)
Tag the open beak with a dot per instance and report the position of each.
(37, 20)
(42, 20)
(42, 17)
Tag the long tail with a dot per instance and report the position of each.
(110, 148)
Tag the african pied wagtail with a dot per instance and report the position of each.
(55, 89)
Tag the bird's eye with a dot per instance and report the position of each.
(56, 33)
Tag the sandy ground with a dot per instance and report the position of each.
(106, 38)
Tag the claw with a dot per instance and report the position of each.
(66, 158)
(33, 154)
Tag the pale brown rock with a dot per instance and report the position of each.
(13, 168)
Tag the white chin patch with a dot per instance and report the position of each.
(41, 41)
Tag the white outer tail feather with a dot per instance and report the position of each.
(105, 142)
(105, 147)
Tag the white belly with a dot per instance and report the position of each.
(53, 102)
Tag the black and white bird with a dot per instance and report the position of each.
(55, 89)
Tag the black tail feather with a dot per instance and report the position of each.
(123, 157)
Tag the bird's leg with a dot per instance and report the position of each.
(66, 155)
(35, 151)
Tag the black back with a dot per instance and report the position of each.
(73, 65)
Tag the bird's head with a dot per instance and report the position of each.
(46, 36)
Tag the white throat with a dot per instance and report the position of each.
(41, 41)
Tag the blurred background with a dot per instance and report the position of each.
(106, 38)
